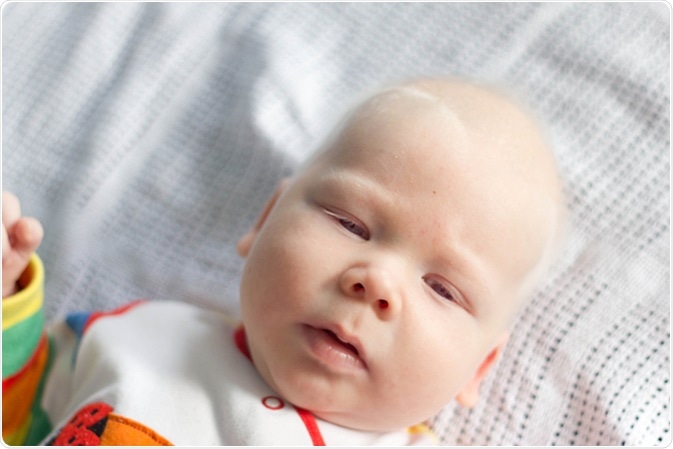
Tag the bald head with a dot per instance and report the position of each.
(506, 136)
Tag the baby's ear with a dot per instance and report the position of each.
(245, 243)
(469, 395)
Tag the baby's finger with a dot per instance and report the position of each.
(18, 244)
(6, 246)
(11, 209)
(27, 235)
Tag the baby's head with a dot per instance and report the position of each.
(380, 283)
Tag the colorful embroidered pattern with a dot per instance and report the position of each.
(85, 428)
(96, 425)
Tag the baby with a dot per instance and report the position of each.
(380, 284)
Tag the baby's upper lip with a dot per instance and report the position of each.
(344, 336)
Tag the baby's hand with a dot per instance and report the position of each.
(20, 238)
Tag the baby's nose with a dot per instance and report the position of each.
(371, 284)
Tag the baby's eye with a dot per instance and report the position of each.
(350, 225)
(440, 288)
(353, 228)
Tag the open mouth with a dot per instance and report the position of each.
(331, 350)
(338, 341)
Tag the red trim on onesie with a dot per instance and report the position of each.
(311, 426)
(96, 315)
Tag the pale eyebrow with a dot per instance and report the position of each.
(361, 187)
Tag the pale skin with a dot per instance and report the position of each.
(21, 236)
(381, 282)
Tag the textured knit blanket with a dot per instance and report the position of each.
(146, 137)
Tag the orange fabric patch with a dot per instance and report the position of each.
(18, 391)
(121, 431)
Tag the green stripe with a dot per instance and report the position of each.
(19, 343)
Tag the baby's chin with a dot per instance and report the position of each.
(357, 422)
(372, 421)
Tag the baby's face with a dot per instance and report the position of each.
(380, 285)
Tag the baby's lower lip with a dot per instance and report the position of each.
(328, 349)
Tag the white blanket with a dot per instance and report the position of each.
(146, 136)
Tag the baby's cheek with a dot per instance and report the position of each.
(436, 366)
(412, 399)
(308, 248)
(285, 267)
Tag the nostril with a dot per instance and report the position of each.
(383, 304)
(358, 288)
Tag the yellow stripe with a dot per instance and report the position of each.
(28, 300)
(422, 429)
